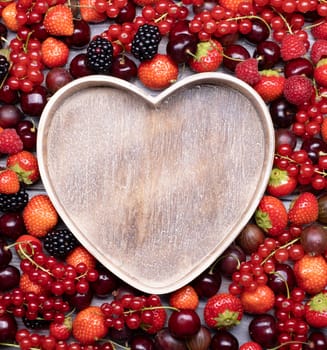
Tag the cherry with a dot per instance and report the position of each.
(141, 342)
(106, 283)
(33, 102)
(9, 278)
(124, 68)
(318, 339)
(5, 254)
(259, 32)
(10, 116)
(78, 67)
(80, 301)
(81, 34)
(282, 113)
(207, 284)
(281, 278)
(234, 54)
(27, 132)
(127, 13)
(268, 54)
(3, 34)
(314, 239)
(263, 330)
(178, 28)
(163, 340)
(39, 32)
(284, 136)
(56, 78)
(181, 47)
(229, 261)
(184, 323)
(299, 66)
(224, 340)
(8, 95)
(12, 225)
(8, 328)
(313, 147)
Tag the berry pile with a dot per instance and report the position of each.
(272, 281)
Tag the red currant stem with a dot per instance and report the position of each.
(116, 344)
(285, 157)
(27, 40)
(250, 17)
(15, 346)
(314, 24)
(281, 247)
(285, 21)
(163, 16)
(128, 312)
(291, 342)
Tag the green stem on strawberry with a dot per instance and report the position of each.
(288, 244)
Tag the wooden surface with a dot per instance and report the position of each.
(156, 187)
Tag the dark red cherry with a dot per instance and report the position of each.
(234, 54)
(106, 283)
(181, 47)
(127, 13)
(8, 328)
(207, 284)
(268, 54)
(259, 32)
(223, 340)
(124, 68)
(8, 95)
(9, 278)
(10, 116)
(78, 67)
(5, 254)
(282, 276)
(299, 66)
(184, 323)
(263, 330)
(12, 225)
(178, 28)
(81, 35)
(33, 102)
(282, 113)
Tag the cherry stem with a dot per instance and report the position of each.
(281, 247)
(285, 282)
(150, 308)
(285, 21)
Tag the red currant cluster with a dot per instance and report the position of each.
(30, 12)
(146, 312)
(111, 8)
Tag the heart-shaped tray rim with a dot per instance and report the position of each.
(214, 78)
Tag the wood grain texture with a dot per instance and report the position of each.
(156, 187)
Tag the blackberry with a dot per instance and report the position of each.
(38, 323)
(4, 67)
(99, 55)
(146, 42)
(14, 202)
(60, 242)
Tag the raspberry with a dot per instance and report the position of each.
(318, 50)
(248, 71)
(292, 47)
(100, 55)
(145, 42)
(298, 89)
(319, 31)
(10, 142)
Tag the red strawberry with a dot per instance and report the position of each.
(311, 273)
(258, 301)
(145, 2)
(280, 183)
(319, 29)
(158, 321)
(158, 73)
(89, 325)
(9, 181)
(223, 310)
(303, 209)
(28, 286)
(271, 215)
(250, 345)
(25, 165)
(10, 142)
(89, 13)
(54, 52)
(316, 310)
(298, 89)
(270, 86)
(318, 50)
(58, 21)
(323, 130)
(292, 47)
(320, 72)
(232, 4)
(61, 330)
(81, 255)
(208, 56)
(248, 71)
(8, 16)
(184, 298)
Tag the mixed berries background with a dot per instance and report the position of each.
(268, 290)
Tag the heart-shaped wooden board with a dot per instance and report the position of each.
(156, 187)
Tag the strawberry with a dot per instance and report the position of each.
(158, 73)
(319, 29)
(303, 209)
(318, 50)
(54, 52)
(298, 89)
(311, 273)
(9, 182)
(320, 72)
(258, 301)
(89, 13)
(61, 330)
(58, 20)
(25, 165)
(323, 130)
(250, 345)
(39, 215)
(233, 4)
(10, 142)
(8, 15)
(158, 321)
(270, 86)
(81, 255)
(316, 310)
(145, 2)
(184, 298)
(208, 56)
(280, 183)
(271, 215)
(89, 325)
(292, 47)
(247, 71)
(223, 310)
(27, 286)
